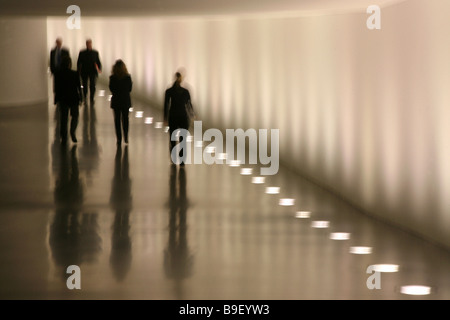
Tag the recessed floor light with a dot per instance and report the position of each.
(148, 120)
(340, 236)
(246, 171)
(235, 163)
(158, 125)
(286, 202)
(303, 214)
(101, 93)
(139, 114)
(258, 180)
(385, 267)
(320, 224)
(416, 290)
(361, 250)
(210, 149)
(272, 190)
(222, 156)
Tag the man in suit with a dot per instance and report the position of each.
(178, 110)
(68, 97)
(57, 54)
(89, 66)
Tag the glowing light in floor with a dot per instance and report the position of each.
(148, 120)
(360, 250)
(340, 236)
(139, 114)
(109, 97)
(320, 224)
(158, 125)
(222, 156)
(210, 149)
(189, 138)
(286, 202)
(198, 144)
(258, 180)
(235, 163)
(272, 190)
(246, 171)
(385, 267)
(303, 214)
(131, 109)
(101, 93)
(415, 290)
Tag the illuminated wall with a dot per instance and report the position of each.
(23, 75)
(362, 112)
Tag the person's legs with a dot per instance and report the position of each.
(84, 81)
(125, 123)
(92, 83)
(117, 125)
(74, 114)
(174, 124)
(64, 115)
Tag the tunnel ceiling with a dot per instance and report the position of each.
(182, 7)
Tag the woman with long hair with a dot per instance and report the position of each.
(120, 84)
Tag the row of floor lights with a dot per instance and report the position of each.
(318, 224)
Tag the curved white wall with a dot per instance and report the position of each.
(23, 62)
(362, 112)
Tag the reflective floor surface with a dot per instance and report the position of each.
(140, 228)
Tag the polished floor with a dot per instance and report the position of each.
(140, 228)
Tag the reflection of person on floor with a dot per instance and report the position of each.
(121, 201)
(65, 234)
(178, 110)
(68, 97)
(178, 260)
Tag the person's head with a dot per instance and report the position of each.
(119, 69)
(66, 63)
(178, 78)
(89, 44)
(59, 42)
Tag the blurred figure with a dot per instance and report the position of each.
(88, 66)
(178, 110)
(121, 202)
(120, 84)
(68, 96)
(178, 260)
(56, 56)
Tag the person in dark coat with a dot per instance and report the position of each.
(56, 55)
(178, 109)
(88, 66)
(68, 97)
(120, 84)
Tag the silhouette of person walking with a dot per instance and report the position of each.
(56, 56)
(89, 66)
(68, 96)
(120, 84)
(178, 110)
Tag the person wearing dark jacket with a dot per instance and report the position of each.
(88, 66)
(177, 110)
(56, 55)
(68, 97)
(120, 85)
